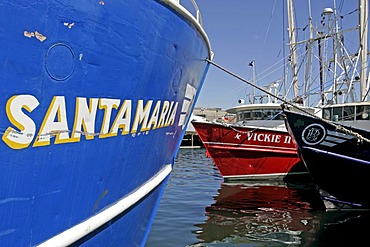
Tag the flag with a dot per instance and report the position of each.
(251, 63)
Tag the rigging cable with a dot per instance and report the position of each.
(268, 28)
(338, 127)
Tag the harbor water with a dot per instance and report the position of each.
(199, 209)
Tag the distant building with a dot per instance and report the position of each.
(209, 113)
(191, 138)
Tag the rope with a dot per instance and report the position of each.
(336, 126)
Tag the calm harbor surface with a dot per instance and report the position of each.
(199, 209)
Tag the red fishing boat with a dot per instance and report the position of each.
(256, 145)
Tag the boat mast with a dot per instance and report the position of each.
(308, 72)
(322, 41)
(321, 69)
(292, 45)
(254, 79)
(253, 99)
(337, 47)
(363, 32)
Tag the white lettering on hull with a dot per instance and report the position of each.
(148, 115)
(264, 137)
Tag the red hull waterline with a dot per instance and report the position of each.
(247, 153)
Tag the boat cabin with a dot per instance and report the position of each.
(257, 112)
(347, 112)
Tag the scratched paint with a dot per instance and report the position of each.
(36, 34)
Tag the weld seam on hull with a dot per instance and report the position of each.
(79, 231)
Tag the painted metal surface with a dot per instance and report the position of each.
(95, 100)
(249, 153)
(338, 162)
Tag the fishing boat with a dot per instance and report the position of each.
(95, 100)
(254, 144)
(335, 147)
(337, 156)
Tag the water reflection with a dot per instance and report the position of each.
(265, 212)
(198, 210)
(344, 228)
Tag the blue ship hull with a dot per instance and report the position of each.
(95, 100)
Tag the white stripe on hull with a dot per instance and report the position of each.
(238, 146)
(79, 231)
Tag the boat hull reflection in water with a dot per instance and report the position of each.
(268, 212)
(199, 210)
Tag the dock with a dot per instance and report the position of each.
(191, 138)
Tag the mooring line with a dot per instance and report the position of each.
(338, 127)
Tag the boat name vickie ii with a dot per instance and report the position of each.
(147, 116)
(264, 137)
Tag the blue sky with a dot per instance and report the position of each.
(244, 30)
